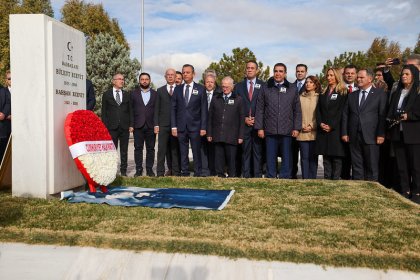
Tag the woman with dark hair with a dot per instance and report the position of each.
(328, 117)
(404, 117)
(307, 136)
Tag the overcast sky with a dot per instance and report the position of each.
(289, 31)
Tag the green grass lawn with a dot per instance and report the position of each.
(339, 223)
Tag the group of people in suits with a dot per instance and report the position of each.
(240, 129)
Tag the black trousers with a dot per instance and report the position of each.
(184, 138)
(207, 158)
(408, 164)
(168, 147)
(346, 168)
(332, 167)
(365, 160)
(144, 135)
(225, 156)
(252, 151)
(121, 135)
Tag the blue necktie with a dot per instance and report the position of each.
(363, 98)
(187, 94)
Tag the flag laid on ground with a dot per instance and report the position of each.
(157, 198)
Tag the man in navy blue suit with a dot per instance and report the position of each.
(189, 118)
(249, 90)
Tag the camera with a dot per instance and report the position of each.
(395, 61)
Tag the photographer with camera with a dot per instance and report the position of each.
(413, 59)
(404, 118)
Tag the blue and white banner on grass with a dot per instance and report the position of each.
(157, 198)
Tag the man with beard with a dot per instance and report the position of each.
(301, 71)
(143, 102)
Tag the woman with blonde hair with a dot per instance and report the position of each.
(307, 136)
(328, 117)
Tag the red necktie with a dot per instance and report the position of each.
(251, 88)
(350, 89)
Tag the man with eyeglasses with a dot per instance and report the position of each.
(5, 114)
(117, 116)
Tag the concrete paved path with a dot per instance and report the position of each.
(21, 261)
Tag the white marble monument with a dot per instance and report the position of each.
(48, 65)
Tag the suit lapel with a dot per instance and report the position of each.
(368, 98)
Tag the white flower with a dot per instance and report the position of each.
(101, 167)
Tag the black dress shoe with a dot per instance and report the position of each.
(123, 173)
(416, 198)
(150, 174)
(137, 174)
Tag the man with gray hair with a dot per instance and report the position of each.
(207, 148)
(363, 125)
(226, 127)
(167, 144)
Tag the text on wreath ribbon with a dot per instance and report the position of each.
(90, 147)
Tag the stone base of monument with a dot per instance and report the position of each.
(21, 261)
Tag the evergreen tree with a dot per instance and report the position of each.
(105, 57)
(8, 7)
(235, 65)
(91, 19)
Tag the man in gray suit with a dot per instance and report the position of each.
(363, 125)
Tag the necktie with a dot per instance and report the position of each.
(226, 99)
(299, 86)
(251, 89)
(171, 90)
(208, 99)
(187, 94)
(118, 97)
(363, 98)
(350, 89)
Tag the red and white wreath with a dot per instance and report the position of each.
(92, 148)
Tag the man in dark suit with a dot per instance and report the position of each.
(167, 144)
(249, 90)
(363, 125)
(226, 127)
(117, 116)
(208, 155)
(349, 77)
(189, 118)
(143, 103)
(5, 115)
(90, 96)
(301, 71)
